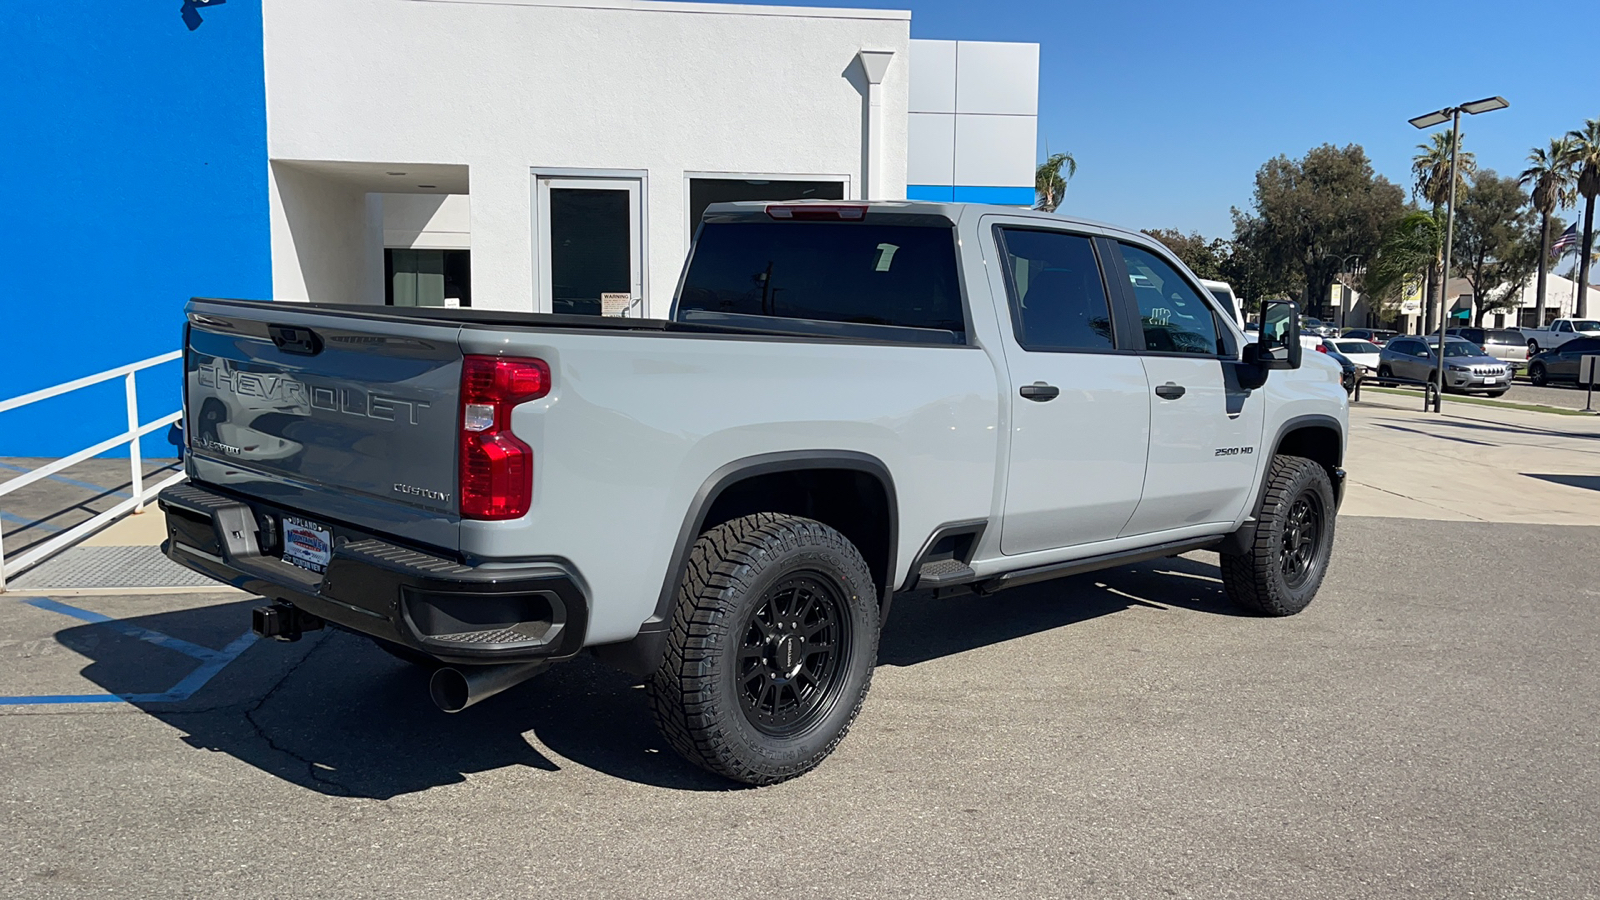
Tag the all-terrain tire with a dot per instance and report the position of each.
(1282, 569)
(734, 646)
(1537, 376)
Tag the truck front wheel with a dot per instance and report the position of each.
(771, 649)
(1279, 573)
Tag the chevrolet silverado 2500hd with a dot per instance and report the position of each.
(849, 401)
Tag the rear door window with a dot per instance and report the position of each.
(854, 272)
(1058, 301)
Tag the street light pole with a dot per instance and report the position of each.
(1439, 117)
(1449, 242)
(1344, 289)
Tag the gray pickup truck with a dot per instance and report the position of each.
(850, 401)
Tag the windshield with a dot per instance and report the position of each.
(1225, 298)
(1506, 336)
(1457, 349)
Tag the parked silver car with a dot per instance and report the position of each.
(1506, 344)
(1467, 369)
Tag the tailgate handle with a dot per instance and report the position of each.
(293, 339)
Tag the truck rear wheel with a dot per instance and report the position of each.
(1281, 570)
(771, 649)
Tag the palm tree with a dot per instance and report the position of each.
(1410, 249)
(1550, 176)
(1050, 184)
(1586, 159)
(1431, 170)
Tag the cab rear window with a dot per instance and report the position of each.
(858, 273)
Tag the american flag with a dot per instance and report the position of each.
(1566, 242)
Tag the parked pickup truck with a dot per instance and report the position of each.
(1558, 332)
(849, 402)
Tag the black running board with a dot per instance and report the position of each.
(1092, 563)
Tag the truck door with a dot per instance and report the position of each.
(1205, 431)
(1079, 420)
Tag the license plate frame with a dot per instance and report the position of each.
(306, 544)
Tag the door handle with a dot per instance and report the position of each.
(1039, 392)
(1169, 391)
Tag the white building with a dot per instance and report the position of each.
(555, 155)
(1561, 301)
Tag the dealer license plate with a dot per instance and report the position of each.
(306, 544)
(1494, 380)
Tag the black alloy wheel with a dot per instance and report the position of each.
(1537, 376)
(1302, 536)
(789, 655)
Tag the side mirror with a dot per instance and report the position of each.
(1278, 344)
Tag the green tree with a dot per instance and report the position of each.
(1253, 274)
(1310, 212)
(1050, 180)
(1408, 251)
(1493, 229)
(1586, 160)
(1551, 182)
(1204, 258)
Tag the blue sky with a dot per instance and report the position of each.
(1170, 108)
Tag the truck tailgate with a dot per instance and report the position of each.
(332, 416)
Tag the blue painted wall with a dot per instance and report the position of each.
(133, 173)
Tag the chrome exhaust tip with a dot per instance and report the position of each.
(454, 689)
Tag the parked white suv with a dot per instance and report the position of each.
(849, 401)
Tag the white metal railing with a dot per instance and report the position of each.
(139, 495)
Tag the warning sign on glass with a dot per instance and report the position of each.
(615, 304)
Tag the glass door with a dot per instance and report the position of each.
(590, 246)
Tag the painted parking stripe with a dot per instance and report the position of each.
(133, 631)
(62, 479)
(212, 661)
(40, 524)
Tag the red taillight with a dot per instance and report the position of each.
(496, 477)
(1322, 348)
(819, 211)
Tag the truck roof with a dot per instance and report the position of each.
(952, 211)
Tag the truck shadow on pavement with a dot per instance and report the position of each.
(922, 628)
(334, 714)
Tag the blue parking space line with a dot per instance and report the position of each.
(187, 687)
(52, 699)
(211, 661)
(134, 631)
(100, 489)
(29, 523)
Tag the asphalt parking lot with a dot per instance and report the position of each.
(1426, 729)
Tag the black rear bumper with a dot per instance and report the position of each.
(453, 612)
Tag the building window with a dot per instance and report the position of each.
(708, 190)
(427, 277)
